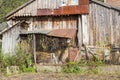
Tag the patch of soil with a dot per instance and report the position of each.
(59, 76)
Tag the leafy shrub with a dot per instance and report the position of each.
(93, 66)
(25, 62)
(1, 62)
(86, 67)
(91, 63)
(27, 69)
(72, 67)
(20, 59)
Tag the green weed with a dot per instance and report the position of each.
(72, 67)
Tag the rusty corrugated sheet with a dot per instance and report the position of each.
(82, 7)
(83, 2)
(64, 10)
(65, 33)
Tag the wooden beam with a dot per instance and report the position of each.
(79, 34)
(34, 47)
(86, 52)
(85, 29)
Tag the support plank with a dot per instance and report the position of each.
(34, 47)
(79, 34)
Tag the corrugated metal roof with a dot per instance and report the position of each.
(42, 31)
(66, 33)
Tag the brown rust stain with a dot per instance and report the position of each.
(65, 10)
(73, 53)
(83, 2)
(82, 8)
(66, 33)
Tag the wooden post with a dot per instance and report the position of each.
(85, 29)
(79, 34)
(34, 47)
(86, 52)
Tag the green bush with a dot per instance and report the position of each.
(1, 61)
(83, 67)
(72, 67)
(25, 62)
(27, 69)
(20, 59)
(91, 63)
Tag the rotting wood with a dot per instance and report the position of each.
(92, 53)
(86, 52)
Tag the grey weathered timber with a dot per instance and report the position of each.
(79, 34)
(100, 27)
(85, 29)
(60, 22)
(10, 39)
(34, 47)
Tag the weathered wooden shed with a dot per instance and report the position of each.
(86, 22)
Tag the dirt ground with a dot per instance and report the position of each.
(59, 76)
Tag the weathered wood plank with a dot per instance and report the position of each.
(104, 23)
(34, 47)
(10, 40)
(85, 29)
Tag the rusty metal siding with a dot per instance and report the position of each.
(64, 10)
(10, 40)
(68, 7)
(64, 33)
(83, 2)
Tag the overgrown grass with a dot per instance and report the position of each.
(72, 67)
(83, 67)
(20, 59)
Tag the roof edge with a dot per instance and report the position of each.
(106, 5)
(20, 7)
(6, 29)
(27, 3)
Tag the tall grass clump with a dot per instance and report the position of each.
(83, 67)
(20, 59)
